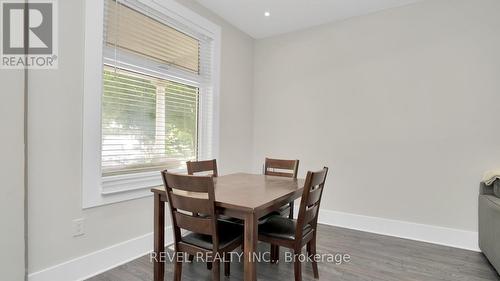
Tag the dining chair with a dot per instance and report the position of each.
(282, 168)
(294, 234)
(188, 195)
(210, 166)
(194, 167)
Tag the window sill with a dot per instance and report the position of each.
(131, 182)
(121, 188)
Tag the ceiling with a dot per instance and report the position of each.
(292, 15)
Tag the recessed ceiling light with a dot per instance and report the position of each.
(267, 13)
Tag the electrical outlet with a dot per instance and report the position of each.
(78, 227)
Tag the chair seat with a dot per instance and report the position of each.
(281, 228)
(228, 234)
(283, 211)
(227, 219)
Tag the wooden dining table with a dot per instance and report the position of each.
(244, 196)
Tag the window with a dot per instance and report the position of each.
(155, 106)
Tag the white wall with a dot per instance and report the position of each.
(56, 146)
(12, 175)
(402, 105)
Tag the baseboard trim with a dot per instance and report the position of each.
(451, 237)
(92, 264)
(103, 260)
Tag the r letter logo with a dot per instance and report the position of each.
(29, 34)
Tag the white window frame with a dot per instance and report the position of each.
(132, 186)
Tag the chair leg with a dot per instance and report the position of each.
(227, 265)
(297, 266)
(275, 253)
(215, 270)
(312, 252)
(292, 205)
(271, 250)
(177, 270)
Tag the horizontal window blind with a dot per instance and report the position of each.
(139, 33)
(148, 123)
(158, 94)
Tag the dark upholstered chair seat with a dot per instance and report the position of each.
(228, 234)
(227, 219)
(283, 211)
(281, 228)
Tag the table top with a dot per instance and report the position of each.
(249, 192)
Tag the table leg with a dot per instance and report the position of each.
(251, 237)
(159, 238)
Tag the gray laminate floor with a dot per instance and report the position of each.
(373, 257)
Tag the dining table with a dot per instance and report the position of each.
(248, 197)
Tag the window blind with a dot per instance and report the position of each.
(148, 123)
(157, 103)
(130, 30)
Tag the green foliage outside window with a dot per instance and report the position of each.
(140, 133)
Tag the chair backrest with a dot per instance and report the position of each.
(194, 167)
(189, 195)
(311, 200)
(281, 168)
